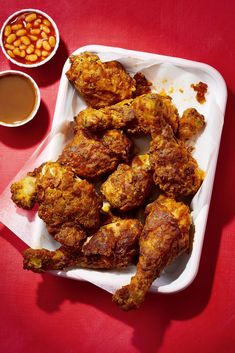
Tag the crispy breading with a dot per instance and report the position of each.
(148, 108)
(137, 116)
(116, 116)
(176, 172)
(91, 157)
(66, 203)
(65, 198)
(118, 143)
(115, 245)
(143, 86)
(99, 83)
(162, 240)
(24, 192)
(191, 124)
(129, 186)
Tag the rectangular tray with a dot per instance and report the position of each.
(173, 76)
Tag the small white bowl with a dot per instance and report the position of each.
(37, 98)
(13, 60)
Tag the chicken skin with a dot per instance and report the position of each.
(117, 116)
(165, 236)
(129, 186)
(148, 108)
(176, 172)
(191, 124)
(67, 204)
(114, 246)
(137, 116)
(100, 84)
(92, 157)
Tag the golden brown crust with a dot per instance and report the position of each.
(24, 192)
(127, 187)
(114, 246)
(63, 198)
(176, 172)
(118, 143)
(100, 84)
(148, 108)
(116, 116)
(191, 124)
(91, 157)
(162, 240)
(143, 86)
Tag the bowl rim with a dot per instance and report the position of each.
(37, 93)
(49, 56)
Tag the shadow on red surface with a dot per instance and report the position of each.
(158, 311)
(29, 134)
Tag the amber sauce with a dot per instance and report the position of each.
(17, 98)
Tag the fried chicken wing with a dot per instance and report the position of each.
(66, 203)
(191, 124)
(116, 116)
(137, 116)
(165, 236)
(129, 186)
(115, 245)
(176, 172)
(91, 157)
(100, 84)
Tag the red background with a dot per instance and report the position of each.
(43, 313)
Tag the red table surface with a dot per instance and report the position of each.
(43, 313)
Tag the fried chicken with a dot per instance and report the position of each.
(116, 116)
(143, 86)
(92, 157)
(129, 186)
(100, 84)
(137, 116)
(68, 205)
(114, 246)
(148, 108)
(191, 124)
(176, 172)
(165, 236)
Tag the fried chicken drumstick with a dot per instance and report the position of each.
(115, 245)
(67, 204)
(165, 236)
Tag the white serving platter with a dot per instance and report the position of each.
(173, 76)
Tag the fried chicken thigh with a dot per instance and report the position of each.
(115, 245)
(67, 204)
(165, 236)
(176, 172)
(92, 157)
(100, 84)
(129, 186)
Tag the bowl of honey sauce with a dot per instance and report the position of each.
(19, 98)
(29, 38)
